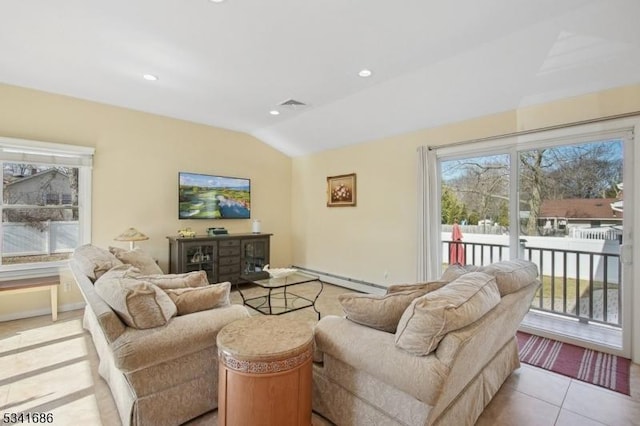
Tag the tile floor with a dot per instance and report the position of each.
(53, 367)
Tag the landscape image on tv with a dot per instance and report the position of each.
(213, 197)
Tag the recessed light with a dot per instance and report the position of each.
(365, 73)
(274, 112)
(216, 1)
(150, 77)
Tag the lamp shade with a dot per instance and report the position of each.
(131, 235)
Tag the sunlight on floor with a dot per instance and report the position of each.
(53, 368)
(46, 370)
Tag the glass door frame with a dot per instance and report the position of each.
(626, 129)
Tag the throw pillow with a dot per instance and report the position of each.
(512, 275)
(195, 299)
(169, 281)
(137, 258)
(140, 304)
(453, 272)
(375, 311)
(427, 287)
(429, 318)
(456, 270)
(120, 271)
(94, 261)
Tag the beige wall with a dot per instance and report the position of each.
(378, 236)
(376, 240)
(135, 173)
(138, 156)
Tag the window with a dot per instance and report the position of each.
(553, 197)
(46, 194)
(518, 189)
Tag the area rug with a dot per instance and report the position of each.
(608, 371)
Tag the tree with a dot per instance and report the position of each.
(482, 183)
(452, 209)
(590, 170)
(73, 182)
(532, 163)
(586, 171)
(474, 218)
(503, 215)
(19, 170)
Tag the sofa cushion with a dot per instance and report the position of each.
(427, 287)
(195, 299)
(182, 337)
(94, 261)
(121, 271)
(430, 317)
(139, 304)
(137, 258)
(353, 352)
(376, 311)
(456, 270)
(512, 275)
(185, 280)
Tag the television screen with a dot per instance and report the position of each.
(213, 197)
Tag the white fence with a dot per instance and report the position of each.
(579, 232)
(577, 263)
(20, 239)
(594, 233)
(478, 229)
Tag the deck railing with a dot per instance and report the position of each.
(584, 285)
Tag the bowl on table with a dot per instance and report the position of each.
(279, 272)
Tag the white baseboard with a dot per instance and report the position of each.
(40, 312)
(345, 282)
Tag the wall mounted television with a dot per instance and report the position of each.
(202, 196)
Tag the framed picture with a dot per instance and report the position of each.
(341, 190)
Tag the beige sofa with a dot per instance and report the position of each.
(363, 375)
(163, 375)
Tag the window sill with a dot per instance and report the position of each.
(28, 270)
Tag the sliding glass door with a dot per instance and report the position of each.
(556, 199)
(571, 228)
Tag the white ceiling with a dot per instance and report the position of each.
(228, 64)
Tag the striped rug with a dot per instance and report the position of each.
(597, 368)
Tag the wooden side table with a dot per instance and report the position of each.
(26, 285)
(265, 372)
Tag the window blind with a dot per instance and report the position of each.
(53, 154)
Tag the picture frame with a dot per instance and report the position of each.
(341, 190)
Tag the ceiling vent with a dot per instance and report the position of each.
(293, 104)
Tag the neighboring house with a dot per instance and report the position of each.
(38, 218)
(49, 187)
(42, 196)
(575, 214)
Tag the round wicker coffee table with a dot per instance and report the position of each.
(265, 372)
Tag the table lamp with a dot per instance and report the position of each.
(132, 235)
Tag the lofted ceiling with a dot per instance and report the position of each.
(229, 64)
